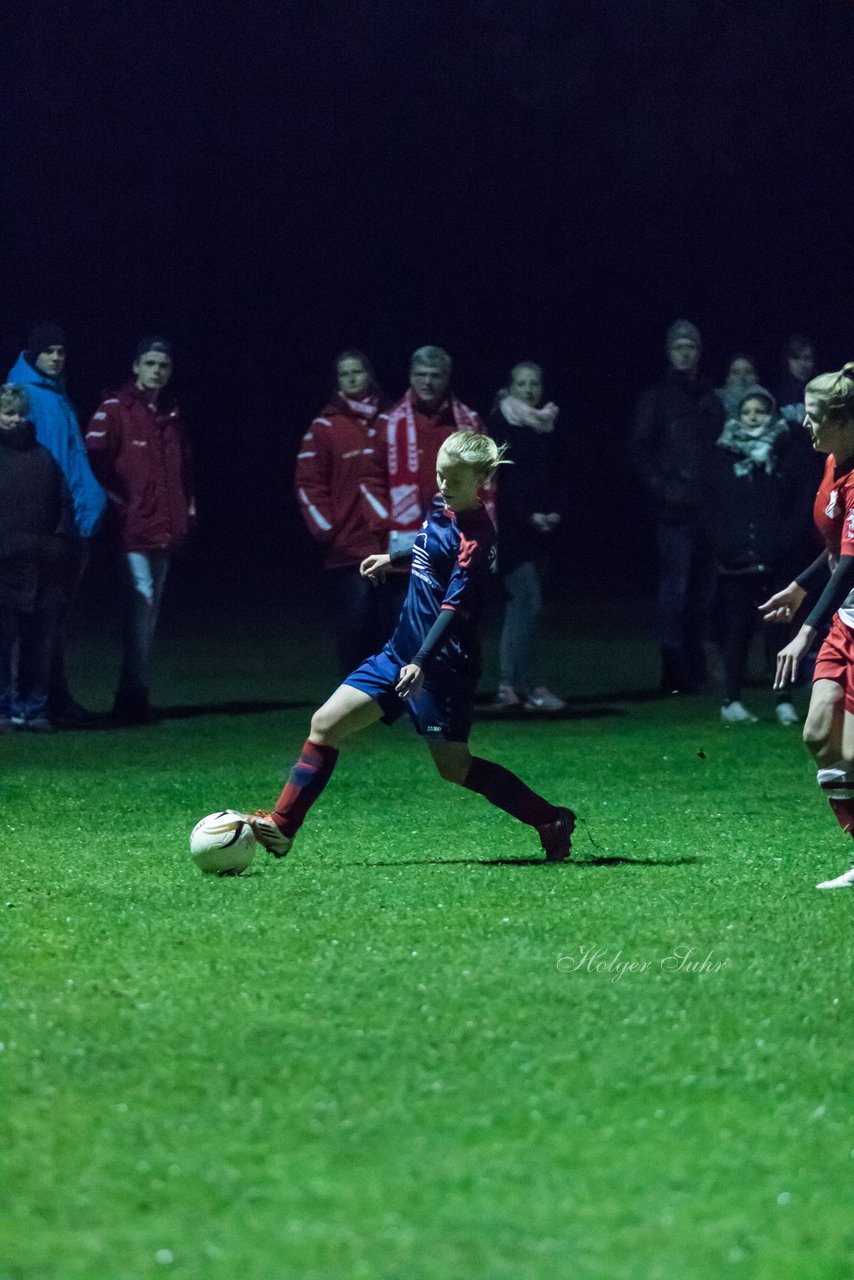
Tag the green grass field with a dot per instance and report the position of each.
(411, 1051)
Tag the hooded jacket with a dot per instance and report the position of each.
(57, 428)
(140, 453)
(754, 516)
(35, 514)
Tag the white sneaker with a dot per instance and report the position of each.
(786, 713)
(845, 881)
(506, 698)
(736, 713)
(542, 699)
(269, 834)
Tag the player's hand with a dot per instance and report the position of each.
(374, 567)
(783, 606)
(788, 659)
(410, 681)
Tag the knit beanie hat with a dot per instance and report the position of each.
(682, 331)
(154, 343)
(41, 337)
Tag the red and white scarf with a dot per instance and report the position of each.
(367, 408)
(403, 470)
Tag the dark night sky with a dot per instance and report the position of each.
(269, 182)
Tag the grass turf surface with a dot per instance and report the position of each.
(400, 1054)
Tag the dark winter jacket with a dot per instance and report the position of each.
(341, 485)
(529, 485)
(676, 424)
(754, 518)
(36, 519)
(140, 453)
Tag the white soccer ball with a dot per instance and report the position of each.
(222, 843)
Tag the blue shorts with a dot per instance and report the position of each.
(441, 711)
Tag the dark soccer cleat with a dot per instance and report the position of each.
(556, 837)
(269, 834)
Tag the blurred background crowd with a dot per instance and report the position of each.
(725, 475)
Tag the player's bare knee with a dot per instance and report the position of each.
(322, 728)
(814, 736)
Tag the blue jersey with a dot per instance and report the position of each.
(451, 561)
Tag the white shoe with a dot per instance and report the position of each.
(542, 699)
(506, 698)
(736, 713)
(845, 881)
(269, 834)
(786, 713)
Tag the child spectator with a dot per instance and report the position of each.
(35, 517)
(754, 489)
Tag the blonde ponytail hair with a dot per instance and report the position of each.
(835, 393)
(476, 450)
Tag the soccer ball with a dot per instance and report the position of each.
(222, 843)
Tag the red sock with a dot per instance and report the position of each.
(503, 789)
(844, 810)
(305, 782)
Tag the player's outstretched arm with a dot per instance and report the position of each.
(783, 605)
(374, 567)
(789, 658)
(410, 680)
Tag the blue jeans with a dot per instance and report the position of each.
(521, 613)
(25, 653)
(686, 584)
(144, 580)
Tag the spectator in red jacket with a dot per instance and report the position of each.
(139, 451)
(342, 494)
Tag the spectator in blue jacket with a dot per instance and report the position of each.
(40, 369)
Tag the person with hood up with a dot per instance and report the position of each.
(754, 496)
(40, 370)
(35, 527)
(139, 450)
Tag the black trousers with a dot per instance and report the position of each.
(738, 598)
(364, 615)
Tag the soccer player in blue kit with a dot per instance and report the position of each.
(429, 667)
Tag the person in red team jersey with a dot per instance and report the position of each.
(429, 667)
(341, 488)
(829, 726)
